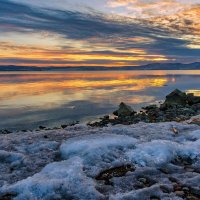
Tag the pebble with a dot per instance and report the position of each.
(142, 180)
(180, 193)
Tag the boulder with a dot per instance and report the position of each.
(150, 107)
(196, 107)
(176, 97)
(191, 99)
(124, 110)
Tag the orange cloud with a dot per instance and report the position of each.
(146, 8)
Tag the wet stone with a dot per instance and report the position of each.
(7, 197)
(177, 187)
(164, 170)
(115, 172)
(190, 197)
(42, 127)
(144, 182)
(165, 189)
(154, 198)
(195, 191)
(173, 180)
(180, 193)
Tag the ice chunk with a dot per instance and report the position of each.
(41, 145)
(142, 194)
(195, 134)
(98, 151)
(59, 180)
(159, 152)
(11, 157)
(153, 153)
(190, 149)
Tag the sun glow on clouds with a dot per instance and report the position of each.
(74, 53)
(149, 8)
(106, 33)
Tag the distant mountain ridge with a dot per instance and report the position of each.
(153, 66)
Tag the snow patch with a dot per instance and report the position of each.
(41, 145)
(88, 152)
(98, 151)
(153, 153)
(160, 152)
(59, 180)
(14, 159)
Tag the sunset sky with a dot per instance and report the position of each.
(98, 32)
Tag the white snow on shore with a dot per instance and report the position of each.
(63, 164)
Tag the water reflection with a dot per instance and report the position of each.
(28, 100)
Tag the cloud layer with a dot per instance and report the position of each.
(35, 35)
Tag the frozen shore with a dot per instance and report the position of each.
(139, 161)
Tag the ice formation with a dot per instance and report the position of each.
(68, 162)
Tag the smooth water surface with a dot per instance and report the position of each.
(29, 99)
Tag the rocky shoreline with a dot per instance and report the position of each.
(178, 106)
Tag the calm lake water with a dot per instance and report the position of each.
(28, 100)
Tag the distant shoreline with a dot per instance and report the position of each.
(153, 66)
(100, 70)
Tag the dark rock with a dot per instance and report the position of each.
(197, 170)
(154, 198)
(63, 126)
(106, 117)
(5, 131)
(185, 189)
(124, 110)
(7, 196)
(176, 97)
(180, 193)
(150, 107)
(146, 181)
(177, 187)
(196, 107)
(195, 191)
(164, 170)
(190, 197)
(178, 107)
(114, 172)
(189, 169)
(183, 161)
(165, 189)
(173, 180)
(42, 127)
(142, 180)
(191, 99)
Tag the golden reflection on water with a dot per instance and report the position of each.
(52, 98)
(52, 89)
(195, 92)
